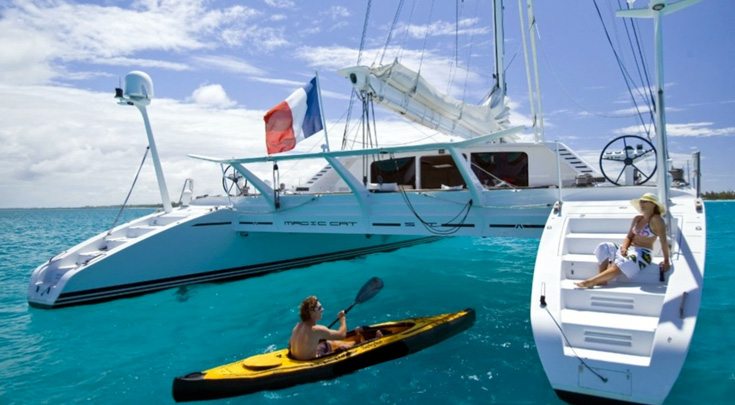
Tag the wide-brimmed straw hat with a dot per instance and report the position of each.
(650, 197)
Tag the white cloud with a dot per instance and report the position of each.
(467, 26)
(140, 63)
(692, 129)
(280, 3)
(40, 38)
(213, 95)
(70, 147)
(229, 64)
(336, 12)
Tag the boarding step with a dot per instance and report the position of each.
(584, 266)
(137, 231)
(53, 274)
(112, 243)
(616, 333)
(608, 357)
(585, 243)
(164, 220)
(85, 257)
(617, 298)
(586, 224)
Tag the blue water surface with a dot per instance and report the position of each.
(129, 350)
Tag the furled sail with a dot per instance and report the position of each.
(404, 91)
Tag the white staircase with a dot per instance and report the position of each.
(100, 246)
(628, 339)
(620, 317)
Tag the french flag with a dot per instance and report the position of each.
(293, 120)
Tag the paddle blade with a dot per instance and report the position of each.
(369, 290)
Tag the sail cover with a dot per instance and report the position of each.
(404, 91)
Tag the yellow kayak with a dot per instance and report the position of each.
(277, 369)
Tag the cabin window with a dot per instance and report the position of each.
(401, 171)
(437, 171)
(492, 167)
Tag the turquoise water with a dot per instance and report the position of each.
(129, 350)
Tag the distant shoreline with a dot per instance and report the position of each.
(161, 206)
(85, 207)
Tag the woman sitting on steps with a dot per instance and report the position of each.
(644, 230)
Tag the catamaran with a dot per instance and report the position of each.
(611, 342)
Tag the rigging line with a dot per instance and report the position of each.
(469, 59)
(569, 344)
(405, 32)
(290, 167)
(500, 181)
(430, 226)
(623, 71)
(349, 117)
(634, 25)
(566, 91)
(132, 186)
(456, 32)
(434, 228)
(638, 65)
(359, 58)
(364, 31)
(423, 47)
(620, 57)
(392, 28)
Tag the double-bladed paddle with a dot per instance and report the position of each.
(369, 290)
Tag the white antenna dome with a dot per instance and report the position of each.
(139, 87)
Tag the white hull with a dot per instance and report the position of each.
(199, 248)
(635, 334)
(225, 238)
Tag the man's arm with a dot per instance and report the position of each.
(331, 334)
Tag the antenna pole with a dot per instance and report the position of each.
(165, 199)
(656, 10)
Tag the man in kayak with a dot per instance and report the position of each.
(310, 340)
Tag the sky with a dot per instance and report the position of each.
(218, 66)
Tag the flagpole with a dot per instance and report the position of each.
(321, 110)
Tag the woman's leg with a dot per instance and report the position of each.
(608, 274)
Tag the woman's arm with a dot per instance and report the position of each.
(659, 228)
(629, 237)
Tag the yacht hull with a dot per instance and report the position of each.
(198, 250)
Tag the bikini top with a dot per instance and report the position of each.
(645, 231)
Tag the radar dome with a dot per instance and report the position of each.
(139, 87)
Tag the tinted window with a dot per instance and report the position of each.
(491, 168)
(401, 171)
(439, 170)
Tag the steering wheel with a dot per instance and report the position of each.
(628, 150)
(233, 182)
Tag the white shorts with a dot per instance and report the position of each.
(638, 258)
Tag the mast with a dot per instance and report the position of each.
(531, 98)
(657, 9)
(499, 47)
(539, 120)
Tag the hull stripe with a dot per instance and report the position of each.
(106, 293)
